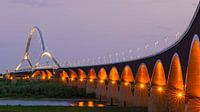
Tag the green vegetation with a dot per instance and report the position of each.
(40, 89)
(68, 109)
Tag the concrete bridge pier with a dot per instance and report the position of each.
(101, 85)
(141, 91)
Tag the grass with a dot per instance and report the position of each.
(67, 109)
(40, 89)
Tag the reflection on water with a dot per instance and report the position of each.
(89, 104)
(79, 103)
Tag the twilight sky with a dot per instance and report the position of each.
(81, 32)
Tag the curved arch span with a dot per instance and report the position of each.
(102, 75)
(127, 74)
(114, 75)
(142, 75)
(45, 52)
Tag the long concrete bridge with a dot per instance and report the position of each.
(168, 81)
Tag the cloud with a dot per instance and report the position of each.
(39, 3)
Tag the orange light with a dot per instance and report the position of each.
(11, 78)
(72, 79)
(160, 89)
(113, 82)
(141, 85)
(100, 105)
(43, 77)
(81, 80)
(91, 80)
(126, 83)
(63, 78)
(101, 81)
(90, 104)
(80, 104)
(179, 95)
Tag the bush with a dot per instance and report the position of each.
(39, 89)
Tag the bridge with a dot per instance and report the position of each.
(167, 81)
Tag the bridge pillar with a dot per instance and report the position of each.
(125, 93)
(81, 79)
(175, 87)
(73, 78)
(112, 88)
(101, 85)
(193, 78)
(157, 98)
(91, 82)
(141, 91)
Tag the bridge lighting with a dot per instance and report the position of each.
(147, 46)
(142, 86)
(90, 104)
(81, 80)
(101, 81)
(11, 78)
(63, 78)
(113, 82)
(91, 80)
(177, 35)
(180, 95)
(160, 89)
(126, 83)
(156, 43)
(43, 77)
(80, 104)
(49, 77)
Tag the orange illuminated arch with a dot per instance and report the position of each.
(127, 74)
(72, 74)
(64, 74)
(36, 73)
(49, 74)
(142, 75)
(158, 76)
(193, 70)
(92, 74)
(175, 77)
(114, 75)
(81, 74)
(102, 75)
(43, 75)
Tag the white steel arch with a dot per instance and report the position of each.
(45, 52)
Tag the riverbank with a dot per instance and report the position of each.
(67, 109)
(41, 90)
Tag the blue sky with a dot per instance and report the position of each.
(92, 32)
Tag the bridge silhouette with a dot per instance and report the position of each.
(141, 82)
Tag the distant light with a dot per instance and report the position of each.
(90, 104)
(101, 81)
(81, 80)
(179, 95)
(91, 80)
(160, 89)
(72, 79)
(141, 85)
(63, 78)
(80, 104)
(100, 105)
(126, 83)
(11, 78)
(113, 82)
(43, 77)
